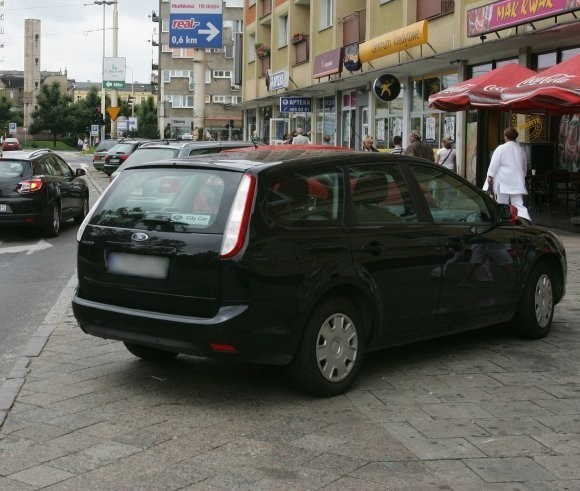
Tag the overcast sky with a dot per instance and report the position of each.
(72, 36)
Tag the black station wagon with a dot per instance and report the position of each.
(306, 258)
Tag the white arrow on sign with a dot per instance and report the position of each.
(28, 248)
(213, 31)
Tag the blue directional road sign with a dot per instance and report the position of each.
(195, 30)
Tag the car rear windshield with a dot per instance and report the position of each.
(14, 168)
(169, 199)
(151, 154)
(105, 145)
(122, 148)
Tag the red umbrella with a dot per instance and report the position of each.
(481, 92)
(555, 90)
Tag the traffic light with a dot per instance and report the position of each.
(98, 116)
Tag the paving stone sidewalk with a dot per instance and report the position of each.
(477, 411)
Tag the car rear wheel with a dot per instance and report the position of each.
(331, 351)
(51, 227)
(533, 319)
(85, 209)
(148, 353)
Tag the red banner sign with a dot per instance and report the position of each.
(509, 13)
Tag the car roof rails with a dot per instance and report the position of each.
(39, 151)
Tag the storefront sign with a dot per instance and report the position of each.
(395, 41)
(328, 63)
(386, 87)
(508, 13)
(278, 80)
(295, 104)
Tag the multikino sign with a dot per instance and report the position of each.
(295, 104)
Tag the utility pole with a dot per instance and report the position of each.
(199, 91)
(114, 92)
(104, 3)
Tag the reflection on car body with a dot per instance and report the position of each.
(307, 258)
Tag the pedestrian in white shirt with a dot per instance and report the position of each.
(300, 138)
(446, 156)
(506, 176)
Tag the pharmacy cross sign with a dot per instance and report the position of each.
(196, 24)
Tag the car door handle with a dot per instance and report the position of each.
(374, 248)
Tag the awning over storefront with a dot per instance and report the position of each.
(555, 90)
(482, 92)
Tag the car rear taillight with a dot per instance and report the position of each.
(239, 219)
(29, 186)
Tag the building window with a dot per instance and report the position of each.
(165, 24)
(222, 74)
(283, 31)
(325, 17)
(178, 101)
(228, 51)
(208, 76)
(433, 8)
(226, 99)
(207, 99)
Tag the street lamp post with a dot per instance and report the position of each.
(104, 3)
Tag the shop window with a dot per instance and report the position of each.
(432, 8)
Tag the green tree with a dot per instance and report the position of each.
(54, 113)
(7, 115)
(146, 113)
(84, 112)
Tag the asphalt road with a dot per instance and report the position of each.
(33, 272)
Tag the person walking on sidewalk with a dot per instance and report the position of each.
(419, 148)
(446, 156)
(506, 176)
(397, 145)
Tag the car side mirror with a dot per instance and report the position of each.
(80, 172)
(507, 213)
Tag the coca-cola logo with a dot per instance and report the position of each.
(494, 88)
(457, 89)
(557, 78)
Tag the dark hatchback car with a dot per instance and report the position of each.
(101, 151)
(119, 153)
(40, 189)
(308, 259)
(168, 149)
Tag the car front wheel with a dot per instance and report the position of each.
(148, 353)
(534, 317)
(331, 351)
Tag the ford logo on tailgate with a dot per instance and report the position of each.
(139, 237)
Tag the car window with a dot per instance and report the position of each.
(122, 148)
(105, 145)
(11, 168)
(52, 167)
(379, 194)
(305, 198)
(172, 200)
(141, 155)
(449, 199)
(63, 166)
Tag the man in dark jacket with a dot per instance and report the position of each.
(419, 148)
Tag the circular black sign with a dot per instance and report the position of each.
(386, 87)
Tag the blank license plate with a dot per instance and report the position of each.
(2, 208)
(123, 263)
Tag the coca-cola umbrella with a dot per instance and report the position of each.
(555, 90)
(481, 92)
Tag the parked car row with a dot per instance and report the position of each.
(307, 258)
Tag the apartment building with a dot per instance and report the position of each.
(200, 101)
(347, 69)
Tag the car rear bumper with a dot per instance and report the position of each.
(233, 326)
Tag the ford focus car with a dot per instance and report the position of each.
(308, 259)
